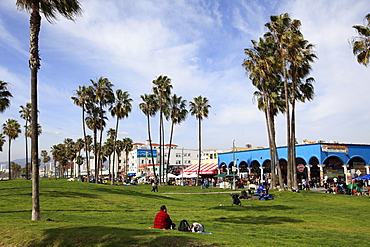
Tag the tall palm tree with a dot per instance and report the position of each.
(282, 30)
(103, 96)
(149, 107)
(120, 109)
(127, 147)
(200, 109)
(11, 128)
(54, 153)
(49, 8)
(361, 43)
(260, 64)
(82, 99)
(5, 96)
(25, 113)
(93, 122)
(177, 113)
(162, 89)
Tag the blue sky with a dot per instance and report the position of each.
(200, 46)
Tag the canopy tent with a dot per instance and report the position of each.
(221, 175)
(205, 169)
(365, 177)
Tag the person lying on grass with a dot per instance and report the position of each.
(162, 220)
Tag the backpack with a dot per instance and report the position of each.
(184, 226)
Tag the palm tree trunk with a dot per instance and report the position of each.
(86, 151)
(200, 148)
(273, 134)
(96, 157)
(114, 154)
(272, 150)
(151, 149)
(34, 64)
(10, 169)
(169, 150)
(25, 135)
(287, 112)
(294, 166)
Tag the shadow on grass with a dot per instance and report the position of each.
(72, 194)
(112, 236)
(134, 193)
(260, 220)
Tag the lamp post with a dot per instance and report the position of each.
(233, 168)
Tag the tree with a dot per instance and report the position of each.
(82, 99)
(162, 90)
(200, 109)
(361, 43)
(127, 147)
(49, 8)
(2, 141)
(79, 145)
(11, 128)
(261, 65)
(93, 122)
(25, 113)
(16, 169)
(102, 96)
(120, 109)
(46, 159)
(177, 113)
(149, 107)
(5, 96)
(282, 30)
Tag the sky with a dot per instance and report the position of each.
(199, 44)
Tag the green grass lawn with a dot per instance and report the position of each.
(84, 214)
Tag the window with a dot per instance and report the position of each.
(178, 155)
(178, 162)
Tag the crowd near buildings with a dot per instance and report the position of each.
(318, 162)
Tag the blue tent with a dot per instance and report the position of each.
(365, 177)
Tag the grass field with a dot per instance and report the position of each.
(81, 214)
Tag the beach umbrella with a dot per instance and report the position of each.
(365, 177)
(220, 175)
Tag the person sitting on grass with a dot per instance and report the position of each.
(162, 220)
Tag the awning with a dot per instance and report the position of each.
(205, 169)
(131, 174)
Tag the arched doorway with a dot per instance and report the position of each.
(243, 169)
(333, 170)
(255, 171)
(301, 174)
(356, 167)
(315, 172)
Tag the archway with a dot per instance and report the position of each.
(315, 171)
(301, 174)
(357, 166)
(333, 170)
(243, 169)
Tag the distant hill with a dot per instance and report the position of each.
(21, 162)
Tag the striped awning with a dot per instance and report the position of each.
(205, 169)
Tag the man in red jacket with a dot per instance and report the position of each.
(162, 219)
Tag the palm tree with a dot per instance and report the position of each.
(54, 153)
(70, 153)
(162, 89)
(49, 8)
(200, 108)
(361, 43)
(5, 96)
(120, 109)
(177, 113)
(46, 159)
(82, 100)
(282, 30)
(88, 143)
(102, 96)
(260, 64)
(11, 128)
(118, 150)
(2, 141)
(93, 122)
(79, 145)
(26, 115)
(149, 107)
(127, 147)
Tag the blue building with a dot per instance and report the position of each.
(316, 161)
